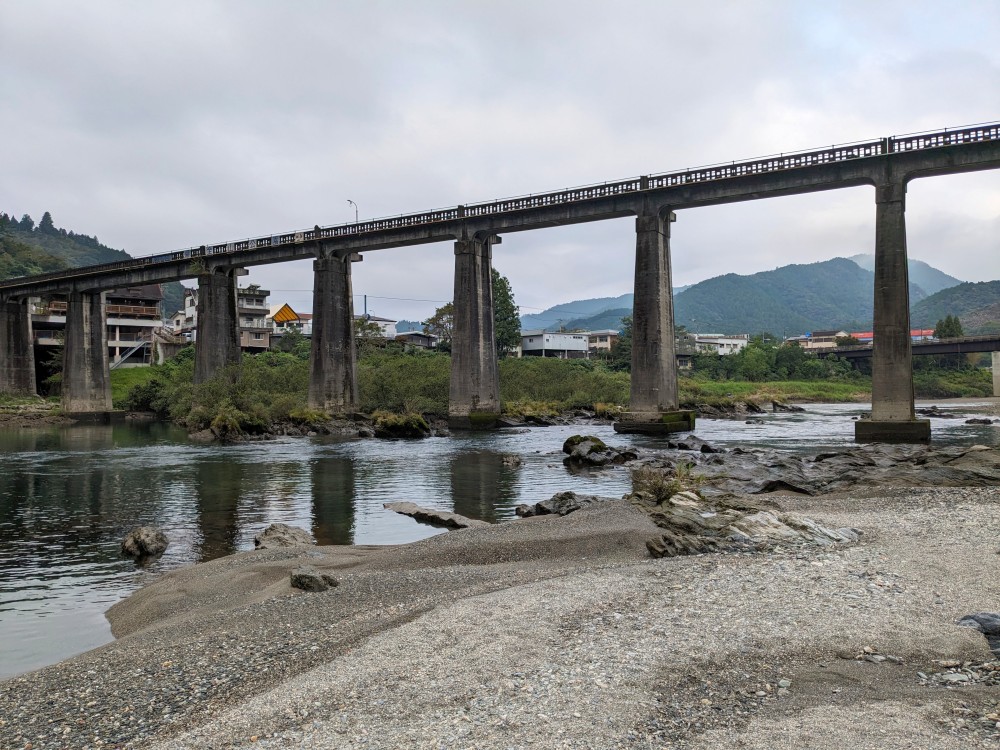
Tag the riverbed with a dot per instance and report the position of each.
(68, 494)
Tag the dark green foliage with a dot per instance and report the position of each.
(760, 362)
(506, 323)
(22, 259)
(410, 382)
(293, 342)
(949, 327)
(936, 382)
(409, 425)
(621, 351)
(959, 301)
(570, 383)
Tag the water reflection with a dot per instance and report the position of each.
(333, 499)
(218, 487)
(481, 485)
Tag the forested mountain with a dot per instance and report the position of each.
(928, 278)
(21, 259)
(974, 303)
(52, 244)
(791, 300)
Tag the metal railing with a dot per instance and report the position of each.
(761, 165)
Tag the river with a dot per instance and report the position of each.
(68, 495)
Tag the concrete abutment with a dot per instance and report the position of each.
(86, 376)
(653, 401)
(333, 380)
(217, 344)
(474, 390)
(17, 350)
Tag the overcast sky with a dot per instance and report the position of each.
(163, 125)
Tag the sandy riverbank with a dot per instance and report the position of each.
(550, 632)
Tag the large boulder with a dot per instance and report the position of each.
(432, 517)
(587, 450)
(282, 535)
(144, 541)
(693, 524)
(561, 504)
(987, 623)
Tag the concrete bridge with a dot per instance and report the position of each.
(887, 164)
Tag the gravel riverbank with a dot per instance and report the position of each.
(554, 632)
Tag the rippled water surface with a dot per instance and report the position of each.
(68, 495)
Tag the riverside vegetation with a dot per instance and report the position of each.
(270, 388)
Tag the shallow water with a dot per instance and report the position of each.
(68, 495)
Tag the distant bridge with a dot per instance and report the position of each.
(958, 345)
(887, 164)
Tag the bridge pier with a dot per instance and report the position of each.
(17, 349)
(653, 405)
(86, 376)
(217, 344)
(996, 373)
(333, 379)
(474, 390)
(893, 419)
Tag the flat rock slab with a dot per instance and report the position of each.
(439, 518)
(279, 535)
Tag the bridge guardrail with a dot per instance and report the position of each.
(760, 165)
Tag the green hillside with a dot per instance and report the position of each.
(609, 319)
(52, 244)
(971, 302)
(925, 276)
(21, 259)
(790, 300)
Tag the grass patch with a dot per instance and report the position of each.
(717, 393)
(124, 379)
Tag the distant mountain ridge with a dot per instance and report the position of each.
(67, 249)
(790, 300)
(977, 305)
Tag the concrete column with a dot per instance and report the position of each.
(217, 343)
(996, 373)
(474, 393)
(892, 419)
(86, 378)
(333, 378)
(17, 349)
(653, 405)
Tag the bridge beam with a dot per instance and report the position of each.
(17, 350)
(86, 376)
(474, 391)
(653, 405)
(333, 378)
(217, 343)
(892, 419)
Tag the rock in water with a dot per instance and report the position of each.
(282, 535)
(144, 541)
(307, 578)
(562, 504)
(587, 450)
(433, 517)
(987, 623)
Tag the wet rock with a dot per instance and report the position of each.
(439, 518)
(586, 450)
(202, 436)
(562, 503)
(366, 432)
(934, 411)
(754, 421)
(512, 460)
(693, 443)
(507, 421)
(144, 541)
(780, 406)
(987, 623)
(541, 421)
(307, 578)
(279, 535)
(391, 426)
(979, 420)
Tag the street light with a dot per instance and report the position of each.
(355, 209)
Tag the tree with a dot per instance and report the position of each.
(506, 321)
(846, 341)
(442, 325)
(46, 225)
(27, 224)
(621, 350)
(949, 327)
(368, 335)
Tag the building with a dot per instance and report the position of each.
(284, 319)
(550, 344)
(416, 340)
(602, 341)
(387, 325)
(252, 315)
(717, 343)
(134, 314)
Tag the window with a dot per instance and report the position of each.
(258, 336)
